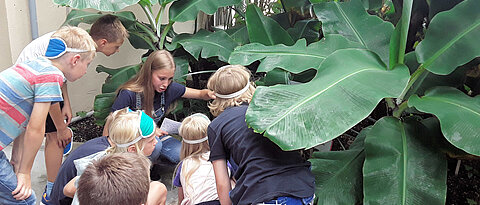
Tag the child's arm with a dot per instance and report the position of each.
(67, 109)
(63, 134)
(204, 94)
(33, 140)
(180, 195)
(223, 181)
(69, 189)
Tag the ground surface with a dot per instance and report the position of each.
(463, 188)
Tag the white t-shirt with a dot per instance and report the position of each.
(37, 47)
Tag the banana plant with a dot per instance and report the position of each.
(315, 84)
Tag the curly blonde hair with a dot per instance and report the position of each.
(229, 79)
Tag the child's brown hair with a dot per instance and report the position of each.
(228, 80)
(142, 82)
(121, 178)
(108, 27)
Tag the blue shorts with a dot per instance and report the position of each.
(168, 149)
(286, 200)
(8, 183)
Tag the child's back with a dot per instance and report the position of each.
(265, 172)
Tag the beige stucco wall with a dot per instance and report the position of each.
(15, 34)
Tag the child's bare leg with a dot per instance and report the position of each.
(53, 156)
(157, 194)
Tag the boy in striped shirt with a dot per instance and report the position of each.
(26, 92)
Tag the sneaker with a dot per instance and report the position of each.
(68, 148)
(45, 198)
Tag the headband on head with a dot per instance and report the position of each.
(57, 47)
(146, 128)
(235, 94)
(202, 115)
(195, 141)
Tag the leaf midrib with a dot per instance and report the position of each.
(404, 156)
(449, 44)
(267, 53)
(206, 42)
(316, 94)
(349, 24)
(444, 100)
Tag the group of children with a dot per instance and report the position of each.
(220, 161)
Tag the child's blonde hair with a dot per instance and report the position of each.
(193, 128)
(77, 38)
(108, 27)
(142, 82)
(227, 80)
(123, 129)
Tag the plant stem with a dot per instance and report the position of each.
(158, 19)
(164, 34)
(150, 17)
(397, 113)
(147, 31)
(412, 80)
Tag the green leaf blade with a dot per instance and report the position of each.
(343, 93)
(182, 11)
(458, 113)
(111, 5)
(264, 30)
(441, 52)
(350, 20)
(400, 167)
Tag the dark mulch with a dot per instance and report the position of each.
(463, 188)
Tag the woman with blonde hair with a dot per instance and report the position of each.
(194, 177)
(130, 131)
(153, 91)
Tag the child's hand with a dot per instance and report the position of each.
(64, 136)
(24, 187)
(210, 95)
(67, 113)
(160, 132)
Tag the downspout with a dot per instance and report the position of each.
(32, 7)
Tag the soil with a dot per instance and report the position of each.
(463, 188)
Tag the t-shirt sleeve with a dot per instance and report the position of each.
(47, 88)
(125, 98)
(217, 149)
(175, 91)
(176, 181)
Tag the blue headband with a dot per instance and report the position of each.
(146, 128)
(57, 47)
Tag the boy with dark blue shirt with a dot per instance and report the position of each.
(266, 174)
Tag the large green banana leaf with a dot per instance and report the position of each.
(372, 4)
(354, 23)
(110, 5)
(114, 81)
(338, 174)
(295, 59)
(347, 87)
(239, 34)
(76, 17)
(458, 113)
(207, 43)
(398, 40)
(440, 5)
(187, 10)
(429, 80)
(451, 39)
(400, 165)
(181, 70)
(265, 30)
(308, 29)
(103, 106)
(274, 77)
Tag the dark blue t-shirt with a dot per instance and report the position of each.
(265, 171)
(68, 171)
(127, 98)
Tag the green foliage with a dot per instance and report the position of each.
(400, 167)
(182, 11)
(264, 30)
(111, 5)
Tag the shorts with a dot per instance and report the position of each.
(49, 125)
(8, 183)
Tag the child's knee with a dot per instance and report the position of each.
(158, 189)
